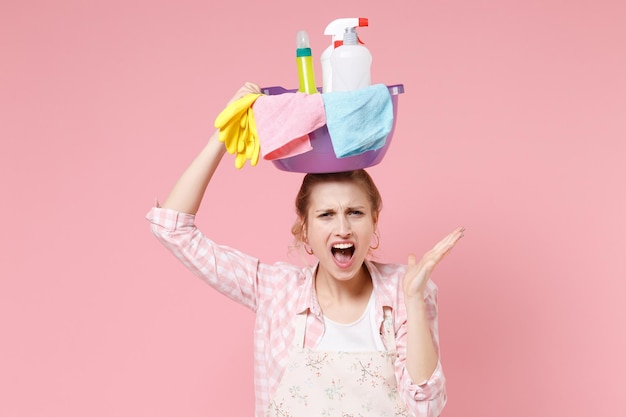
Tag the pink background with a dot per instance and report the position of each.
(513, 124)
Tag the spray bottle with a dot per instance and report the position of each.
(336, 29)
(305, 64)
(351, 63)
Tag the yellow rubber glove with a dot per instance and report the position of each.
(238, 130)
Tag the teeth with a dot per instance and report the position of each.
(343, 245)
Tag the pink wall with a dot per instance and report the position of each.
(512, 124)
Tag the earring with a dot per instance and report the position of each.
(308, 249)
(377, 242)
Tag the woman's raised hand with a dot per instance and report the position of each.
(417, 274)
(237, 127)
(247, 88)
(187, 193)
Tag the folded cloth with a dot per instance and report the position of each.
(284, 121)
(359, 120)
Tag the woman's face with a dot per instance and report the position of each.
(339, 228)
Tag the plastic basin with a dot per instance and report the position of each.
(321, 158)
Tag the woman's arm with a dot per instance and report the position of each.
(174, 226)
(421, 353)
(187, 193)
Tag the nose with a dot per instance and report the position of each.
(344, 228)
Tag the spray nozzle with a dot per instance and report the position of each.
(337, 26)
(340, 27)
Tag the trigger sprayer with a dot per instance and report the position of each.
(336, 29)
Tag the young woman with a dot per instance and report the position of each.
(346, 337)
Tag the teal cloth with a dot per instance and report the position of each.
(358, 121)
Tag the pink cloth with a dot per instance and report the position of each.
(278, 292)
(284, 121)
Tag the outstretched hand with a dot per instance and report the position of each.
(417, 274)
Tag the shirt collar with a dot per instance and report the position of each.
(308, 297)
(384, 297)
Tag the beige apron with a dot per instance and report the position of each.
(339, 384)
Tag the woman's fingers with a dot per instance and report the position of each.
(447, 243)
(418, 273)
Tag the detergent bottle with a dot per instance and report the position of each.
(305, 64)
(351, 63)
(336, 29)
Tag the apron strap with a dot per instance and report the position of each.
(389, 336)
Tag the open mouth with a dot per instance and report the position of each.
(343, 252)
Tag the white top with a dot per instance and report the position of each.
(360, 336)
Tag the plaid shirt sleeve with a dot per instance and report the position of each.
(271, 291)
(230, 272)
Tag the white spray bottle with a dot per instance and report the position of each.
(351, 63)
(336, 29)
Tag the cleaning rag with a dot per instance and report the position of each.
(359, 120)
(284, 121)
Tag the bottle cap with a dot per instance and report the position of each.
(302, 39)
(303, 52)
(350, 37)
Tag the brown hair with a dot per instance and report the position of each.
(359, 177)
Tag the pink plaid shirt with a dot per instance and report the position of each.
(277, 292)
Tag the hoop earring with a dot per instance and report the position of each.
(308, 249)
(377, 242)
